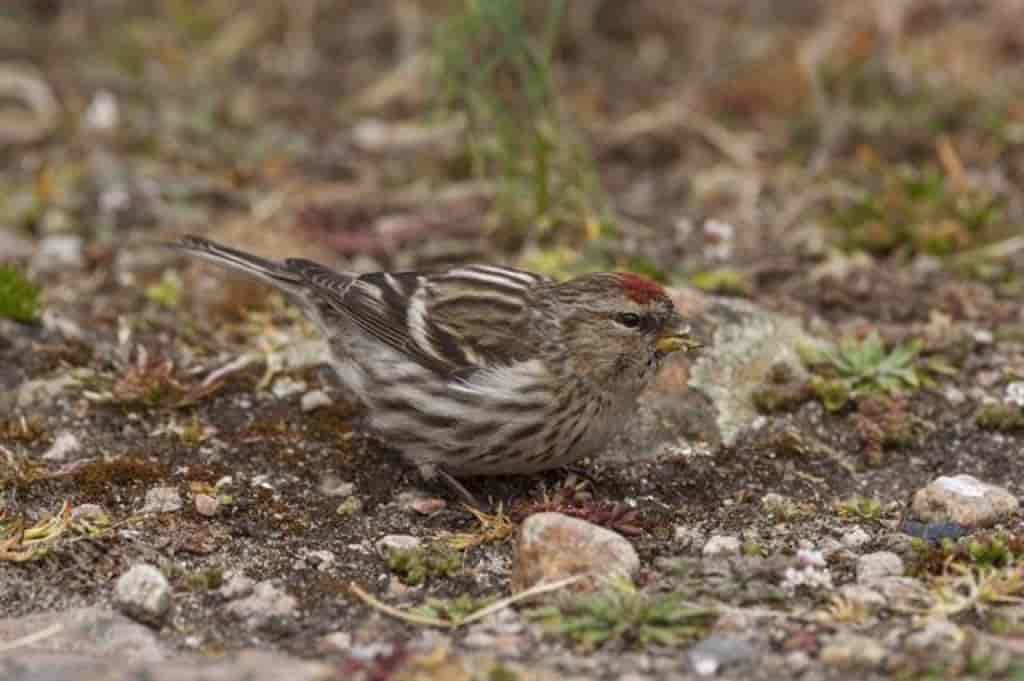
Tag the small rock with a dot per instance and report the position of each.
(333, 486)
(237, 586)
(90, 631)
(855, 538)
(420, 503)
(143, 593)
(876, 565)
(207, 505)
(904, 593)
(321, 559)
(396, 542)
(315, 399)
(776, 503)
(715, 653)
(246, 665)
(552, 546)
(102, 113)
(863, 597)
(266, 602)
(162, 500)
(398, 590)
(964, 500)
(852, 651)
(350, 506)
(1015, 394)
(286, 387)
(58, 252)
(721, 545)
(934, 532)
(65, 443)
(42, 391)
(93, 513)
(688, 537)
(937, 634)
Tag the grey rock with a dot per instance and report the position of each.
(552, 546)
(390, 543)
(707, 397)
(874, 566)
(863, 597)
(162, 500)
(852, 651)
(315, 399)
(143, 593)
(237, 586)
(42, 391)
(716, 652)
(936, 635)
(40, 666)
(206, 505)
(855, 538)
(59, 251)
(964, 500)
(721, 545)
(64, 444)
(333, 486)
(266, 602)
(246, 665)
(81, 632)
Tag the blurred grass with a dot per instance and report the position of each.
(497, 72)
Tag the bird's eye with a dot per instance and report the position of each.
(628, 319)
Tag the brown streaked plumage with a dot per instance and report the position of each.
(482, 370)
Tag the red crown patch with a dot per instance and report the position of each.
(640, 290)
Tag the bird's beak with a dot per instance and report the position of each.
(676, 340)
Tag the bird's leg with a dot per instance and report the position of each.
(460, 489)
(431, 472)
(579, 472)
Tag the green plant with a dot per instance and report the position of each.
(621, 612)
(433, 560)
(917, 210)
(865, 367)
(496, 73)
(860, 507)
(19, 298)
(453, 610)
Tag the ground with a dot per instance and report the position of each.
(854, 170)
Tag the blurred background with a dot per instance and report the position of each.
(733, 145)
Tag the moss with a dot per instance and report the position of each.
(724, 281)
(97, 479)
(1002, 417)
(19, 298)
(833, 393)
(413, 567)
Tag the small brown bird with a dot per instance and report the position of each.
(482, 370)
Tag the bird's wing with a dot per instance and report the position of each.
(454, 322)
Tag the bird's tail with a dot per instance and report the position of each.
(269, 271)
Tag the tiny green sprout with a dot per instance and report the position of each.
(167, 291)
(992, 551)
(861, 507)
(453, 610)
(621, 612)
(724, 280)
(19, 298)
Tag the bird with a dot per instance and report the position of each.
(481, 370)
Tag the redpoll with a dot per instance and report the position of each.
(482, 370)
